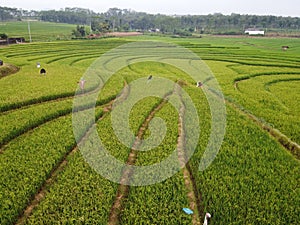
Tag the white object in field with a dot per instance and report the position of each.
(38, 65)
(207, 216)
(81, 84)
(254, 32)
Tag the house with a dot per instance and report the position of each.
(255, 32)
(16, 40)
(12, 41)
(154, 30)
(3, 42)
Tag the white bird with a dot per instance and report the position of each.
(206, 218)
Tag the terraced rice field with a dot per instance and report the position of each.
(254, 179)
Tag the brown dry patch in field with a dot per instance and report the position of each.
(115, 34)
(8, 69)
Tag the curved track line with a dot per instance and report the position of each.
(36, 101)
(282, 139)
(91, 57)
(45, 99)
(250, 76)
(267, 85)
(17, 133)
(40, 195)
(250, 64)
(50, 118)
(23, 130)
(193, 194)
(123, 190)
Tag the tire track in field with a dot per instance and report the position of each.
(16, 133)
(40, 195)
(51, 117)
(123, 190)
(193, 194)
(49, 99)
(250, 63)
(281, 138)
(44, 99)
(23, 130)
(250, 76)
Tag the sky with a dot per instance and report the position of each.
(170, 7)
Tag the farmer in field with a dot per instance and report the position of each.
(199, 84)
(149, 79)
(43, 71)
(81, 84)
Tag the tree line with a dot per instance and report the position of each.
(128, 20)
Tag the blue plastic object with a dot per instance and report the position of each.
(187, 211)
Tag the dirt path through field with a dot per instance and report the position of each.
(193, 194)
(123, 190)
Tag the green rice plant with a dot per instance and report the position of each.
(26, 163)
(244, 183)
(20, 121)
(159, 203)
(252, 180)
(78, 195)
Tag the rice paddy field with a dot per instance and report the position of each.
(40, 31)
(254, 179)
